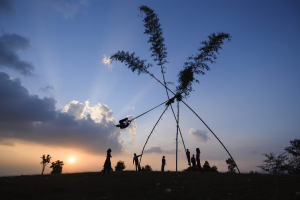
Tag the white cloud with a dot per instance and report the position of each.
(107, 61)
(75, 108)
(132, 127)
(199, 135)
(28, 118)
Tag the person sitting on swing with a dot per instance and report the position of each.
(124, 123)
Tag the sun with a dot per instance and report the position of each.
(71, 159)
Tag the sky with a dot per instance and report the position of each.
(60, 94)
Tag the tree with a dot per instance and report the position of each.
(56, 167)
(148, 168)
(294, 156)
(275, 165)
(45, 161)
(120, 166)
(206, 167)
(195, 64)
(231, 165)
(214, 169)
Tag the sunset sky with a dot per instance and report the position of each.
(59, 94)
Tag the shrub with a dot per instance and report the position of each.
(120, 166)
(148, 168)
(56, 167)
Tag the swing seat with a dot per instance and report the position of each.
(123, 123)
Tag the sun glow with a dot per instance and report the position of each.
(71, 159)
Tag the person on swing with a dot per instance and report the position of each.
(123, 123)
(136, 161)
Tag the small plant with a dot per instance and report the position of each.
(56, 167)
(275, 164)
(120, 166)
(148, 168)
(231, 165)
(45, 161)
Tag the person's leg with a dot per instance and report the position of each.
(136, 166)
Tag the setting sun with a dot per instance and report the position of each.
(72, 160)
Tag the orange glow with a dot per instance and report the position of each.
(71, 159)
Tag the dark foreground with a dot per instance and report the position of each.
(143, 185)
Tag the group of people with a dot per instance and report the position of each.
(193, 160)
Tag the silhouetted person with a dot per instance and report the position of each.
(198, 160)
(163, 163)
(123, 123)
(136, 161)
(193, 162)
(107, 164)
(188, 156)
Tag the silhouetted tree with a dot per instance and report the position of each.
(231, 165)
(214, 169)
(148, 168)
(294, 156)
(195, 64)
(206, 167)
(120, 166)
(45, 161)
(275, 165)
(57, 167)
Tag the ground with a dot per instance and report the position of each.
(150, 185)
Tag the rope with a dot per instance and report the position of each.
(152, 132)
(213, 134)
(165, 84)
(148, 111)
(196, 115)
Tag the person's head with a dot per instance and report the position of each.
(193, 155)
(163, 156)
(198, 150)
(187, 150)
(109, 150)
(134, 154)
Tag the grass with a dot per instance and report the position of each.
(143, 185)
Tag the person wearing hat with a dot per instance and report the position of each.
(107, 164)
(163, 163)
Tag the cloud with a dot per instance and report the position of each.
(47, 88)
(28, 118)
(254, 152)
(6, 142)
(9, 45)
(67, 8)
(199, 135)
(107, 61)
(159, 150)
(6, 6)
(132, 127)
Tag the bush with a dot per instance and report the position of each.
(120, 166)
(56, 167)
(148, 168)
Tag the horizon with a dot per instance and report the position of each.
(65, 96)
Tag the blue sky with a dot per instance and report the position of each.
(249, 98)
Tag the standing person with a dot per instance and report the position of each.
(198, 160)
(193, 162)
(107, 164)
(136, 161)
(163, 163)
(188, 155)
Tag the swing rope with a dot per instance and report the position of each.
(148, 111)
(213, 134)
(196, 115)
(152, 132)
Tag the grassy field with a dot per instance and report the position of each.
(144, 185)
